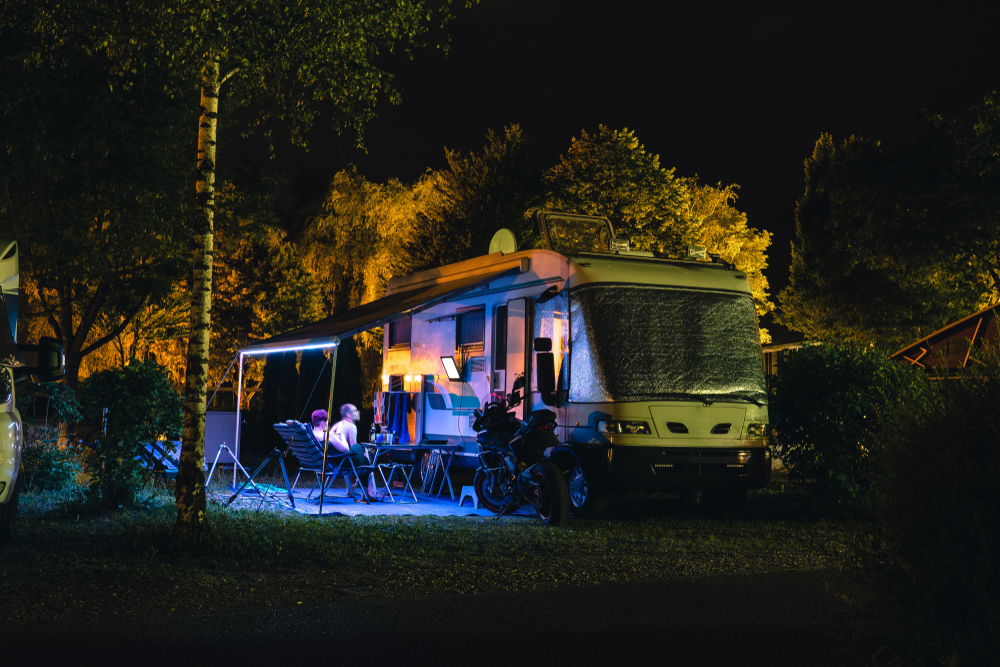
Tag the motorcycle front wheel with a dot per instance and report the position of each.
(551, 499)
(489, 490)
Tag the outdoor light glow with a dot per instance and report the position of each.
(317, 346)
(408, 378)
(450, 368)
(417, 378)
(385, 378)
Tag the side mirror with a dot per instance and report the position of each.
(46, 361)
(545, 363)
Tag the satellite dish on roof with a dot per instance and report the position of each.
(503, 241)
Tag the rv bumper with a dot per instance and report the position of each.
(616, 468)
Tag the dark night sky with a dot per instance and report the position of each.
(736, 92)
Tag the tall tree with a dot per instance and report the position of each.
(723, 230)
(287, 57)
(356, 242)
(477, 195)
(893, 244)
(609, 173)
(90, 191)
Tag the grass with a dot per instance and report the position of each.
(65, 563)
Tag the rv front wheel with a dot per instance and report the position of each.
(587, 504)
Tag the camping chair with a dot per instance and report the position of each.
(309, 452)
(161, 457)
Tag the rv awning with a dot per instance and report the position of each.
(329, 331)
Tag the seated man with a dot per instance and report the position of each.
(343, 434)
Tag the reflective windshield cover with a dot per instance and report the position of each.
(645, 343)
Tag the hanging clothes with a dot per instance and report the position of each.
(396, 418)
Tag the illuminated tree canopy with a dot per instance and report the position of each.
(610, 174)
(893, 244)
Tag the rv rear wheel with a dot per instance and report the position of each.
(586, 502)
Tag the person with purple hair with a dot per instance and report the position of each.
(343, 434)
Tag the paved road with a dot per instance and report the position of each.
(772, 619)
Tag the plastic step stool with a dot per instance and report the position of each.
(469, 492)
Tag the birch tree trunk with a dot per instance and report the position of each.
(191, 475)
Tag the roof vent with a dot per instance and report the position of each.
(676, 427)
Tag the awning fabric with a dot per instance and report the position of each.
(329, 331)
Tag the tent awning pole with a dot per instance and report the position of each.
(326, 434)
(239, 400)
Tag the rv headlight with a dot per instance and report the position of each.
(757, 430)
(628, 427)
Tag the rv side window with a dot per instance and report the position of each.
(470, 329)
(500, 339)
(399, 332)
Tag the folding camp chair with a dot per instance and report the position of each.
(309, 452)
(161, 457)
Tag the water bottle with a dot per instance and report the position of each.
(372, 432)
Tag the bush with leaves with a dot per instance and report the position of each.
(142, 407)
(936, 478)
(46, 409)
(829, 403)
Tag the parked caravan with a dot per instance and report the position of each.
(653, 366)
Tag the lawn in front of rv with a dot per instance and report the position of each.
(127, 562)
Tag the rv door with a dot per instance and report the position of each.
(517, 323)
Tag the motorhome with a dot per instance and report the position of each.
(653, 366)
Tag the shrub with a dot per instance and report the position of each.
(61, 404)
(936, 475)
(46, 464)
(141, 407)
(828, 404)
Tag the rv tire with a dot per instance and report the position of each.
(585, 501)
(553, 504)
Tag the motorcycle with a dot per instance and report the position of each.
(513, 467)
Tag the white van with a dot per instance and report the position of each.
(655, 371)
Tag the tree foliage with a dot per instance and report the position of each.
(284, 56)
(723, 230)
(141, 406)
(356, 242)
(476, 196)
(261, 286)
(893, 244)
(938, 516)
(91, 192)
(610, 174)
(829, 406)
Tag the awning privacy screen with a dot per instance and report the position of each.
(329, 331)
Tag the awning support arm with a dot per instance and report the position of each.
(326, 434)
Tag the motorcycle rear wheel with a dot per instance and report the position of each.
(491, 495)
(552, 502)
